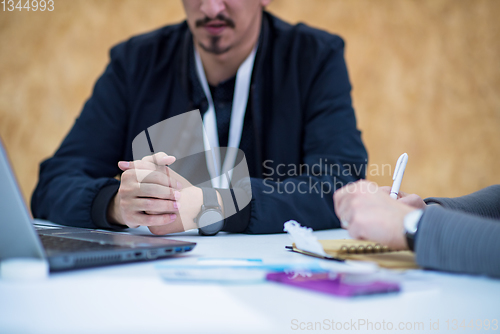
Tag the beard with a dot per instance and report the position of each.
(214, 47)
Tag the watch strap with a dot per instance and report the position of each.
(210, 198)
(410, 240)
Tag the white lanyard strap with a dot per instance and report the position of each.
(211, 134)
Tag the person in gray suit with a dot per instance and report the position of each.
(452, 234)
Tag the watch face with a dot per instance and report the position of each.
(211, 221)
(411, 227)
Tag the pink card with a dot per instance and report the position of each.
(340, 285)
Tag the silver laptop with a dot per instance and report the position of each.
(68, 247)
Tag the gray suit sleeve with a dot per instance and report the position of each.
(485, 202)
(458, 242)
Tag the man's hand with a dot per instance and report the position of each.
(148, 194)
(153, 195)
(408, 199)
(189, 208)
(371, 214)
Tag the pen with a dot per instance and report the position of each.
(324, 257)
(398, 175)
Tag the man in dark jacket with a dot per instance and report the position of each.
(299, 130)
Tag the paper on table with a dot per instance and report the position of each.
(303, 238)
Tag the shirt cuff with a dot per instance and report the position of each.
(99, 210)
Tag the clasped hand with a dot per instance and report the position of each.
(151, 194)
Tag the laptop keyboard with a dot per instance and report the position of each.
(73, 245)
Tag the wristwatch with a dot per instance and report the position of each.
(210, 220)
(410, 223)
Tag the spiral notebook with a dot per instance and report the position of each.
(362, 250)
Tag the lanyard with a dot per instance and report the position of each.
(218, 176)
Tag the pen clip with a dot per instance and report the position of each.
(398, 165)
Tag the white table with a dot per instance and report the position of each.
(132, 298)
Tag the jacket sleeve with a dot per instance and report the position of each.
(485, 202)
(458, 242)
(333, 155)
(76, 184)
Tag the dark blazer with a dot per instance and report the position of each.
(301, 111)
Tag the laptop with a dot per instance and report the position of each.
(67, 248)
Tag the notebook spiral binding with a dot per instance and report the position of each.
(369, 249)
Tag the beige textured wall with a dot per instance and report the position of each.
(425, 73)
